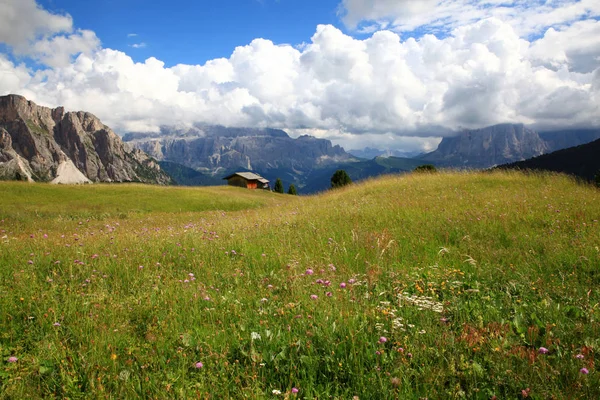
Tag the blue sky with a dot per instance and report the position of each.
(391, 74)
(193, 32)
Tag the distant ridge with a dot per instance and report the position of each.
(502, 144)
(582, 161)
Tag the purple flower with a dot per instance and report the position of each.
(314, 296)
(343, 285)
(382, 339)
(329, 294)
(12, 359)
(309, 272)
(56, 324)
(294, 390)
(580, 356)
(584, 371)
(199, 365)
(543, 350)
(351, 281)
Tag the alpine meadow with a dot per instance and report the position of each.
(433, 285)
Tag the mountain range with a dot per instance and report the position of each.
(502, 144)
(42, 144)
(50, 145)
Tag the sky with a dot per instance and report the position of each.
(390, 74)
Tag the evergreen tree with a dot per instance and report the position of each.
(340, 178)
(278, 186)
(292, 190)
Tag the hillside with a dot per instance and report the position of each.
(441, 285)
(581, 161)
(50, 145)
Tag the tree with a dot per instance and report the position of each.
(278, 186)
(340, 178)
(292, 190)
(597, 179)
(426, 168)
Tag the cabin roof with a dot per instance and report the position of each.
(251, 176)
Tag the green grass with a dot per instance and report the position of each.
(465, 275)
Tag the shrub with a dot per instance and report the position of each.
(292, 190)
(278, 186)
(426, 168)
(340, 178)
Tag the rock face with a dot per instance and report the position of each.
(487, 147)
(51, 145)
(214, 148)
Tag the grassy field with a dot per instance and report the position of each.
(421, 286)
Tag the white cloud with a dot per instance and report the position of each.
(45, 37)
(381, 90)
(139, 45)
(22, 21)
(525, 16)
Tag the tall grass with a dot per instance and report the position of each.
(438, 286)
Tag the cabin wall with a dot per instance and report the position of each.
(237, 181)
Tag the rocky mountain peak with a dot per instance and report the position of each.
(67, 147)
(486, 147)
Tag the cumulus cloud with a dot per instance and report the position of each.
(45, 37)
(381, 90)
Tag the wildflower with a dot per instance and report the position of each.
(269, 286)
(141, 267)
(264, 300)
(314, 296)
(382, 339)
(580, 356)
(12, 359)
(199, 365)
(351, 281)
(294, 390)
(444, 320)
(543, 350)
(329, 294)
(276, 392)
(56, 324)
(584, 371)
(309, 272)
(343, 285)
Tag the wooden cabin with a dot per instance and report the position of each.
(247, 180)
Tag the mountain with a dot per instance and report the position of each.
(502, 144)
(50, 145)
(558, 140)
(582, 161)
(215, 151)
(482, 148)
